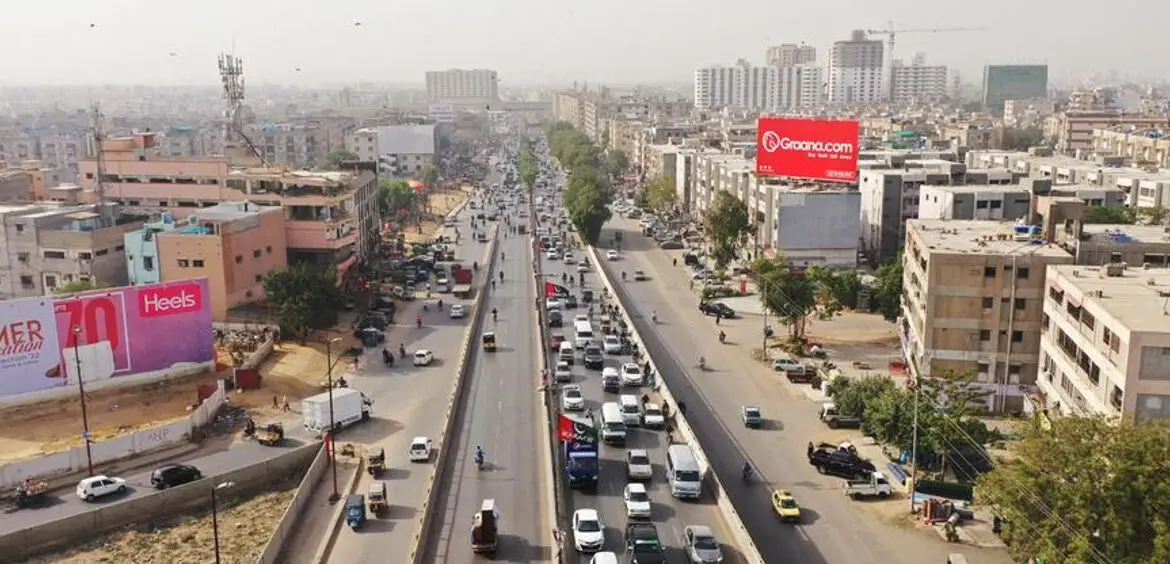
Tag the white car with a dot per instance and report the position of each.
(639, 275)
(458, 311)
(563, 372)
(423, 357)
(420, 449)
(612, 255)
(652, 416)
(637, 501)
(609, 372)
(553, 255)
(569, 258)
(553, 303)
(588, 532)
(572, 399)
(583, 268)
(612, 344)
(631, 374)
(580, 317)
(638, 465)
(94, 487)
(442, 285)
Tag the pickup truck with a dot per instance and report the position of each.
(835, 420)
(844, 463)
(875, 486)
(643, 544)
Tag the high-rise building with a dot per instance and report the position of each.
(1013, 82)
(739, 86)
(798, 87)
(855, 70)
(463, 85)
(917, 81)
(789, 54)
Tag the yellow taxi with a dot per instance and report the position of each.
(785, 506)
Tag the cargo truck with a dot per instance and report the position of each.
(349, 407)
(462, 285)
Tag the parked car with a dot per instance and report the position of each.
(171, 475)
(793, 369)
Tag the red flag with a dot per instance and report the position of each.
(550, 289)
(564, 428)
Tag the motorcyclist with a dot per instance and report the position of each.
(682, 407)
(401, 350)
(478, 456)
(722, 336)
(475, 266)
(503, 255)
(747, 470)
(623, 275)
(418, 321)
(564, 277)
(702, 362)
(493, 284)
(501, 276)
(495, 314)
(654, 316)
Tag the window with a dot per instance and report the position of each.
(1017, 336)
(20, 228)
(50, 281)
(197, 263)
(148, 263)
(256, 253)
(26, 282)
(259, 277)
(84, 255)
(1056, 295)
(989, 272)
(22, 257)
(184, 263)
(54, 254)
(984, 335)
(101, 252)
(268, 249)
(1020, 304)
(982, 367)
(119, 248)
(1106, 335)
(1022, 273)
(988, 302)
(239, 259)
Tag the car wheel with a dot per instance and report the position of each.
(121, 489)
(821, 469)
(89, 497)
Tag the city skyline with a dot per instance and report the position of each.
(127, 44)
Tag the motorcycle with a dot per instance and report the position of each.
(402, 352)
(722, 337)
(702, 363)
(418, 322)
(387, 358)
(747, 474)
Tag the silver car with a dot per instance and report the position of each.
(701, 545)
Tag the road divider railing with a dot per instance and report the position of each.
(744, 540)
(426, 515)
(22, 544)
(337, 512)
(288, 521)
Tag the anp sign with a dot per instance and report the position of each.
(819, 149)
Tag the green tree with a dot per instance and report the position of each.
(660, 194)
(788, 295)
(890, 418)
(727, 225)
(887, 290)
(1084, 490)
(616, 162)
(304, 297)
(526, 166)
(78, 286)
(836, 289)
(852, 395)
(948, 410)
(396, 198)
(1022, 138)
(337, 156)
(1108, 215)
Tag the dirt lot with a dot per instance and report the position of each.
(243, 529)
(441, 204)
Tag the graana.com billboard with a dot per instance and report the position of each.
(119, 332)
(817, 149)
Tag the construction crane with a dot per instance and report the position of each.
(892, 33)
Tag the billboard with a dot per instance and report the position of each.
(113, 332)
(819, 149)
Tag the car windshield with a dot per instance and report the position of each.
(752, 412)
(652, 411)
(788, 503)
(705, 543)
(686, 475)
(639, 496)
(646, 546)
(592, 350)
(582, 464)
(639, 460)
(572, 394)
(588, 526)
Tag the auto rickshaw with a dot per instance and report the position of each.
(377, 498)
(355, 511)
(376, 461)
(271, 434)
(489, 342)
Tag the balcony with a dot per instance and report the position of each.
(317, 235)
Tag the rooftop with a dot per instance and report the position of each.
(1016, 188)
(228, 211)
(1129, 298)
(406, 139)
(1118, 235)
(981, 237)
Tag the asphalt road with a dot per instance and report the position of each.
(503, 415)
(408, 402)
(670, 515)
(835, 529)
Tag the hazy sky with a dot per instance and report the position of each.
(617, 41)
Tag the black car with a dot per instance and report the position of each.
(594, 357)
(171, 475)
(586, 296)
(643, 544)
(569, 301)
(838, 462)
(555, 318)
(719, 309)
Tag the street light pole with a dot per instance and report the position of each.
(81, 394)
(332, 423)
(215, 517)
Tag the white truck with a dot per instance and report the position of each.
(875, 485)
(349, 407)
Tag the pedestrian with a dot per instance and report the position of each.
(275, 404)
(286, 406)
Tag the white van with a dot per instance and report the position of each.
(682, 472)
(566, 352)
(631, 410)
(613, 425)
(604, 558)
(582, 333)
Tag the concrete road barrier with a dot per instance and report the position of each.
(425, 515)
(734, 522)
(335, 522)
(288, 521)
(25, 543)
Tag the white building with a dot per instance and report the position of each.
(1105, 343)
(441, 113)
(799, 86)
(399, 150)
(790, 54)
(739, 86)
(917, 81)
(855, 70)
(463, 85)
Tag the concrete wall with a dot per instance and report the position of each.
(177, 371)
(153, 438)
(288, 521)
(22, 544)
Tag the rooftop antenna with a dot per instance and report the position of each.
(231, 75)
(99, 136)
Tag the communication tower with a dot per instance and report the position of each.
(231, 75)
(97, 128)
